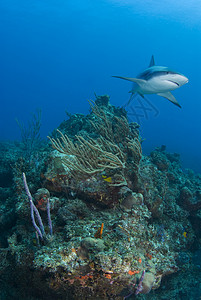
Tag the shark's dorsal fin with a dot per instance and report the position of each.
(152, 62)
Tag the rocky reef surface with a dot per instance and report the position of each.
(115, 224)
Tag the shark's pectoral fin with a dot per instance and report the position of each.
(136, 80)
(170, 97)
(141, 95)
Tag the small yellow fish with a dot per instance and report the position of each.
(185, 234)
(108, 179)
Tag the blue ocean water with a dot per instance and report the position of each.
(55, 55)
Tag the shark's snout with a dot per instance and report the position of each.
(184, 80)
(178, 79)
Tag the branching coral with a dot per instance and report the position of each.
(91, 156)
(116, 144)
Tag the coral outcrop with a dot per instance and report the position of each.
(123, 223)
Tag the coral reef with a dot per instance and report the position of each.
(125, 225)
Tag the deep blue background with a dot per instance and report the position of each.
(55, 54)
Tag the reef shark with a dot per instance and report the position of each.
(156, 80)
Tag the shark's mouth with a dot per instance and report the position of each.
(174, 82)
